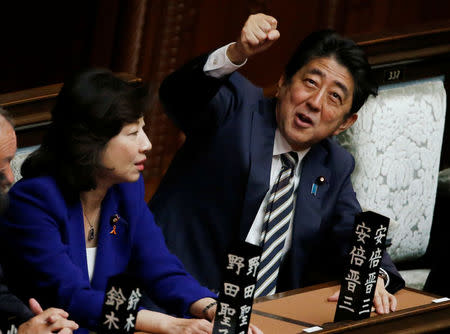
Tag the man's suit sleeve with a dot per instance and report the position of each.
(10, 305)
(396, 282)
(165, 278)
(186, 95)
(346, 209)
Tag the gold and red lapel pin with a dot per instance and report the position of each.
(114, 219)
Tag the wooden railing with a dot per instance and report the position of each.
(31, 109)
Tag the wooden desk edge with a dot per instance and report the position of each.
(295, 291)
(409, 312)
(350, 325)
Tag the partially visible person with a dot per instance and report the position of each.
(439, 247)
(222, 184)
(78, 216)
(33, 319)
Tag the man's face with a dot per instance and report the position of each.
(8, 147)
(315, 103)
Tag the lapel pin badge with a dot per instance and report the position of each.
(114, 219)
(318, 182)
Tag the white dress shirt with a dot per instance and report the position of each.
(91, 254)
(280, 146)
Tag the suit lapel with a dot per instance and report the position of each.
(261, 149)
(112, 248)
(308, 208)
(76, 237)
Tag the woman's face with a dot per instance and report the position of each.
(124, 154)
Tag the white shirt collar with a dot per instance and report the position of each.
(281, 146)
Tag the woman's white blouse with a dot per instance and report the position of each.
(91, 253)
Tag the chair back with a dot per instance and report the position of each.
(396, 143)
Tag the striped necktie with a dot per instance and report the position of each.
(277, 217)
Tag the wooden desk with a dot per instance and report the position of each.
(291, 312)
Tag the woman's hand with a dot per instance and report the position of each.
(188, 326)
(155, 322)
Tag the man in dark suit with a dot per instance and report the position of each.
(218, 187)
(33, 320)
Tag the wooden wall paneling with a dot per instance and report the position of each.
(218, 23)
(167, 35)
(104, 33)
(155, 13)
(425, 40)
(388, 16)
(362, 16)
(296, 19)
(129, 36)
(43, 41)
(31, 109)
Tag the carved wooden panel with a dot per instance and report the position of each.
(130, 27)
(31, 109)
(167, 30)
(42, 41)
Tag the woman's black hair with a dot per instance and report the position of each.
(91, 108)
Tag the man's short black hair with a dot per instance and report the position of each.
(328, 43)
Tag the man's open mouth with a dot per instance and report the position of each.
(304, 119)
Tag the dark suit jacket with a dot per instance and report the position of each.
(218, 179)
(10, 305)
(43, 236)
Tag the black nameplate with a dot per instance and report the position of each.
(360, 278)
(120, 306)
(236, 293)
(8, 324)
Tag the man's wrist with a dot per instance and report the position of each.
(385, 276)
(235, 56)
(219, 65)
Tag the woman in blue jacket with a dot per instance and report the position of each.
(79, 216)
